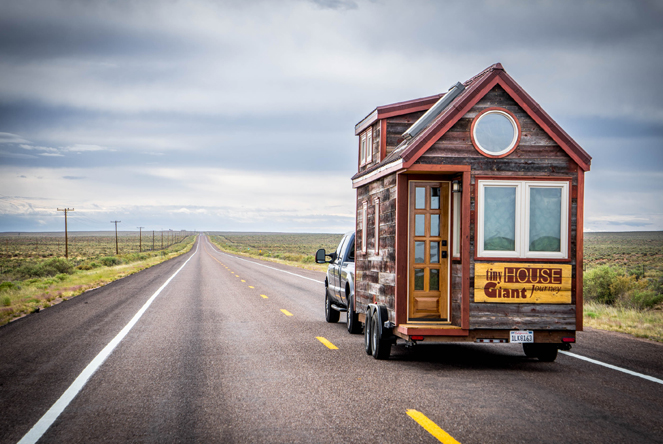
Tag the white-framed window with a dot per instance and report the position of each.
(364, 225)
(362, 150)
(523, 219)
(456, 224)
(376, 203)
(369, 145)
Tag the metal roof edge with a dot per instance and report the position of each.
(434, 111)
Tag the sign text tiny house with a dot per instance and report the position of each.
(522, 283)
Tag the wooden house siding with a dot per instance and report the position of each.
(375, 273)
(537, 156)
(396, 126)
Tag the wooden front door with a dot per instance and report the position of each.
(428, 296)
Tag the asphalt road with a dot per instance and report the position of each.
(211, 360)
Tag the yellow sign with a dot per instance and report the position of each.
(522, 283)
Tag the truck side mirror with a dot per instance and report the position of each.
(321, 254)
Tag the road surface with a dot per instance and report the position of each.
(228, 352)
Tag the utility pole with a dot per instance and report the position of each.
(140, 239)
(152, 240)
(117, 251)
(66, 241)
(162, 239)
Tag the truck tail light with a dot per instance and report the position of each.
(417, 338)
(569, 340)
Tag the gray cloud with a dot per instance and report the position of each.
(274, 89)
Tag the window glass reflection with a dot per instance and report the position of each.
(418, 279)
(545, 218)
(420, 198)
(419, 224)
(500, 219)
(434, 284)
(434, 252)
(435, 198)
(419, 252)
(435, 225)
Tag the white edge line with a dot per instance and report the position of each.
(614, 367)
(38, 430)
(272, 268)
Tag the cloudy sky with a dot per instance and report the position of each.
(239, 115)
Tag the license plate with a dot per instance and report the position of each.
(521, 336)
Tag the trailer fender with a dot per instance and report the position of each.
(383, 316)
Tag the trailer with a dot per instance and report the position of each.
(469, 221)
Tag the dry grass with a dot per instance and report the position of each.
(641, 324)
(290, 249)
(36, 294)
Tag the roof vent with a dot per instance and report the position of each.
(433, 112)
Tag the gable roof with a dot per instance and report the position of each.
(397, 109)
(407, 153)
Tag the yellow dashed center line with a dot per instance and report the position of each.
(431, 427)
(286, 312)
(264, 297)
(251, 286)
(243, 280)
(327, 343)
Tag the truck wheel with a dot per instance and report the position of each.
(547, 353)
(331, 315)
(530, 350)
(367, 335)
(354, 326)
(380, 347)
(544, 352)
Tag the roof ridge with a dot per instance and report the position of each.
(493, 67)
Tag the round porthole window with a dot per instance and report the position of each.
(495, 132)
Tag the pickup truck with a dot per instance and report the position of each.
(340, 282)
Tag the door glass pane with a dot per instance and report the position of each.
(434, 252)
(418, 278)
(499, 227)
(545, 218)
(435, 198)
(435, 225)
(420, 198)
(419, 252)
(434, 284)
(419, 224)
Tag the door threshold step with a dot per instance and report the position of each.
(432, 330)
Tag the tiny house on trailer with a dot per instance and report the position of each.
(469, 221)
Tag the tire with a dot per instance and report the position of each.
(367, 335)
(543, 352)
(547, 353)
(530, 350)
(381, 348)
(354, 327)
(331, 315)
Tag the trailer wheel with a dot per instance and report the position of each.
(367, 334)
(331, 315)
(354, 326)
(381, 348)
